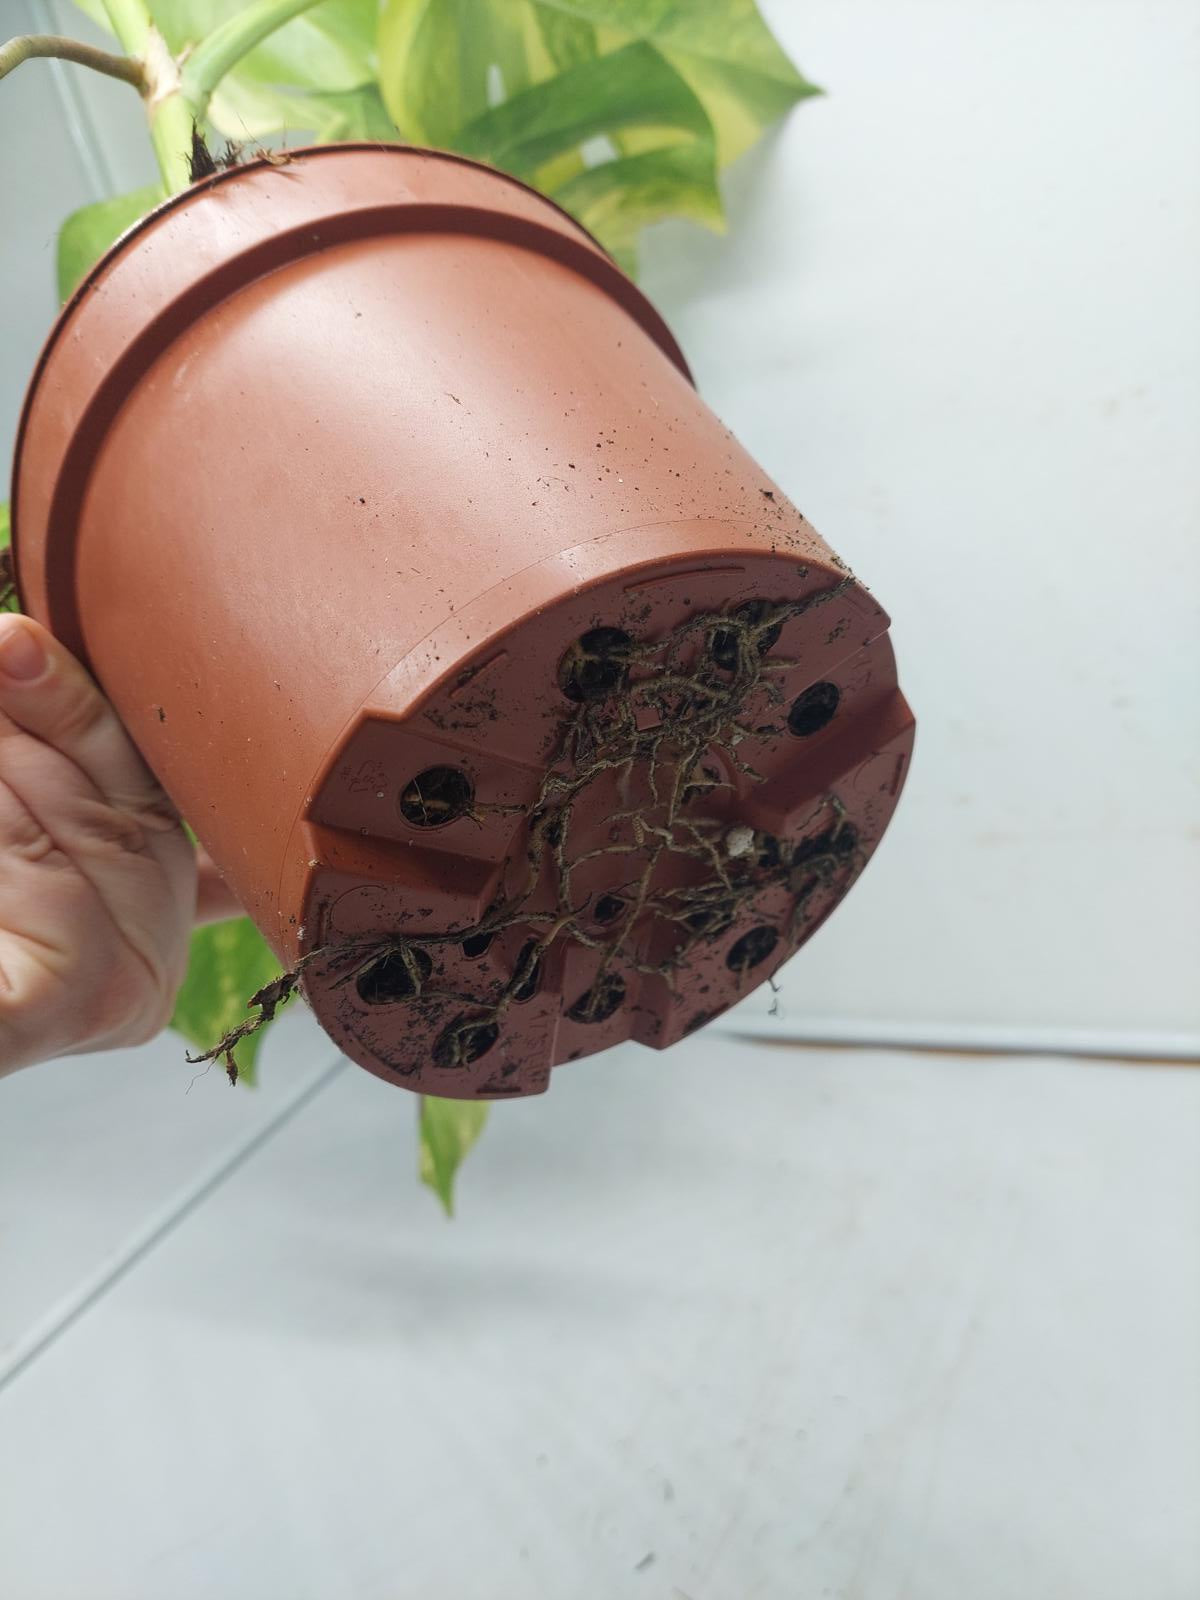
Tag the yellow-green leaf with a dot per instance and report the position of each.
(8, 586)
(243, 109)
(444, 62)
(568, 40)
(349, 114)
(229, 962)
(448, 1129)
(88, 232)
(329, 49)
(330, 46)
(741, 103)
(617, 198)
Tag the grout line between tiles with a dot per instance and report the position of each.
(72, 1307)
(1167, 1054)
(960, 1038)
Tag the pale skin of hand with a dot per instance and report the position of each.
(99, 884)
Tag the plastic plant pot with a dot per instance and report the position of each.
(499, 681)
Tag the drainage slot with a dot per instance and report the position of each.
(814, 709)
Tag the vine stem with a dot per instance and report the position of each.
(171, 118)
(225, 46)
(54, 45)
(177, 95)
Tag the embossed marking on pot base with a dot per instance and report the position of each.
(476, 650)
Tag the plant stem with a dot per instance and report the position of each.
(54, 45)
(131, 22)
(225, 46)
(171, 118)
(176, 100)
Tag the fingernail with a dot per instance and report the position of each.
(22, 657)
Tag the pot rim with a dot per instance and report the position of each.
(656, 328)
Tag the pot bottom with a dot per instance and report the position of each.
(613, 821)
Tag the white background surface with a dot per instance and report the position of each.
(794, 1323)
(797, 1322)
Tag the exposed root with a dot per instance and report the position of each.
(200, 159)
(202, 163)
(269, 999)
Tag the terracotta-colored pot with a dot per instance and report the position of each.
(476, 650)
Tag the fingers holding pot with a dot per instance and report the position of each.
(97, 876)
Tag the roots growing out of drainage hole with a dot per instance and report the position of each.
(661, 714)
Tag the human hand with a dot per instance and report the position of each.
(98, 879)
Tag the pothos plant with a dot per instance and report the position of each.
(623, 111)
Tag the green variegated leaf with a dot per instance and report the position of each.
(448, 1129)
(88, 232)
(643, 75)
(724, 49)
(631, 88)
(229, 962)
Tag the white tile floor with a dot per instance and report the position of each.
(738, 1322)
(96, 1153)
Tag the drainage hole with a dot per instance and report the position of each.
(608, 908)
(394, 977)
(436, 796)
(723, 646)
(529, 967)
(709, 919)
(595, 665)
(599, 1002)
(464, 1040)
(770, 851)
(752, 948)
